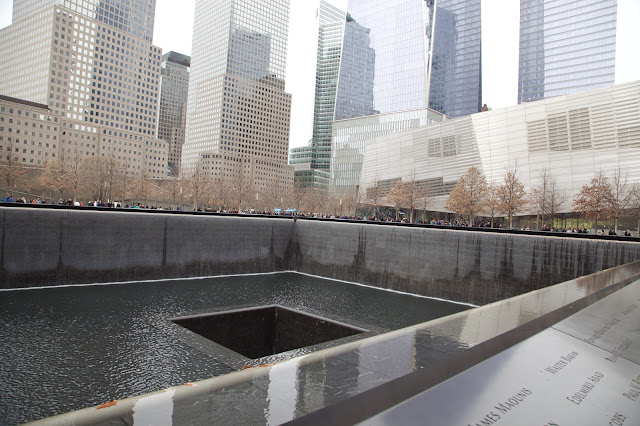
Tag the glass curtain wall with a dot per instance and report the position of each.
(566, 46)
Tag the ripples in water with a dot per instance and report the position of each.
(67, 348)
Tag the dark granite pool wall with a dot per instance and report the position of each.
(465, 266)
(48, 247)
(40, 247)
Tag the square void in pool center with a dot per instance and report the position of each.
(266, 330)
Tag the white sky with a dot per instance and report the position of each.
(500, 23)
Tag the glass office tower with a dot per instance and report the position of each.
(410, 54)
(405, 64)
(237, 111)
(312, 162)
(173, 106)
(566, 46)
(330, 34)
(455, 73)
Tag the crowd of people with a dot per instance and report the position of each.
(478, 223)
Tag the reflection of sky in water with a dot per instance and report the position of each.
(67, 348)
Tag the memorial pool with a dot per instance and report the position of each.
(66, 348)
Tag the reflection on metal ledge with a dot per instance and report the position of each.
(384, 370)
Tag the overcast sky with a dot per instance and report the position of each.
(500, 23)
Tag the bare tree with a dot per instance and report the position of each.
(556, 199)
(634, 204)
(315, 199)
(115, 170)
(594, 200)
(175, 189)
(413, 196)
(334, 201)
(142, 187)
(98, 176)
(220, 192)
(199, 189)
(289, 196)
(73, 173)
(91, 177)
(298, 195)
(620, 196)
(11, 171)
(373, 196)
(469, 195)
(54, 174)
(547, 196)
(511, 195)
(321, 198)
(239, 192)
(271, 196)
(425, 201)
(398, 196)
(350, 201)
(539, 194)
(492, 205)
(62, 173)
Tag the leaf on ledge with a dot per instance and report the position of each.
(107, 404)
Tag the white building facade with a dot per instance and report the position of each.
(571, 136)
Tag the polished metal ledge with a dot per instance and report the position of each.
(360, 380)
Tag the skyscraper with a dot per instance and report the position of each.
(238, 113)
(330, 34)
(135, 17)
(404, 64)
(455, 73)
(410, 54)
(566, 46)
(312, 162)
(92, 63)
(172, 117)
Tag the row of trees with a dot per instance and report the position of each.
(601, 199)
(95, 178)
(609, 199)
(236, 194)
(104, 178)
(107, 179)
(472, 196)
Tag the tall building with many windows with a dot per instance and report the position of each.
(566, 46)
(93, 64)
(330, 35)
(312, 162)
(238, 113)
(404, 64)
(135, 17)
(172, 117)
(455, 66)
(410, 54)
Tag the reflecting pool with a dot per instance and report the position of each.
(66, 348)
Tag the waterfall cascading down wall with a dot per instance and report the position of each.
(42, 247)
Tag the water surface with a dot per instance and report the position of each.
(67, 348)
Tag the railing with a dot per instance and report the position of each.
(341, 220)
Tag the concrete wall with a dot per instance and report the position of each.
(466, 266)
(49, 247)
